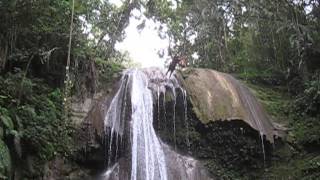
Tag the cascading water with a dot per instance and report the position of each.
(149, 159)
(251, 105)
(115, 118)
(185, 104)
(174, 119)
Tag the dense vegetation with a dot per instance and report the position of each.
(34, 93)
(272, 45)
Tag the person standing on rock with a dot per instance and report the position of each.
(181, 60)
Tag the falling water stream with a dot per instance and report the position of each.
(185, 105)
(148, 161)
(134, 150)
(150, 158)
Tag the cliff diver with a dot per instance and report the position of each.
(181, 60)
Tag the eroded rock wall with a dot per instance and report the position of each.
(223, 146)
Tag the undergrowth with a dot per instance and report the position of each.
(298, 156)
(32, 122)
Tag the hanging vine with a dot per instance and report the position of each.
(67, 81)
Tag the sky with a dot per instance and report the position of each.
(143, 46)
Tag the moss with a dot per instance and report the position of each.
(168, 96)
(186, 72)
(297, 157)
(108, 71)
(297, 167)
(306, 132)
(228, 149)
(211, 94)
(218, 171)
(275, 100)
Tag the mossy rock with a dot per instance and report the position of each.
(228, 149)
(217, 96)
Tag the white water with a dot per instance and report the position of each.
(115, 118)
(164, 108)
(174, 118)
(148, 160)
(185, 104)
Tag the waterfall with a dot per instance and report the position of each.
(115, 118)
(185, 105)
(148, 161)
(150, 158)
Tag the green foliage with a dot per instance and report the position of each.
(5, 119)
(305, 115)
(247, 37)
(37, 120)
(5, 160)
(269, 42)
(308, 102)
(297, 167)
(311, 168)
(274, 99)
(33, 47)
(293, 158)
(219, 171)
(302, 117)
(306, 131)
(45, 130)
(108, 67)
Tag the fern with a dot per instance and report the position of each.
(5, 160)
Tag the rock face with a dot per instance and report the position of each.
(88, 114)
(147, 158)
(203, 114)
(217, 96)
(90, 134)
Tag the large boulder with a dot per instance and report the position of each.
(217, 96)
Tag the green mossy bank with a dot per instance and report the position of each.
(298, 156)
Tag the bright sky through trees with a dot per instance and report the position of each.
(143, 46)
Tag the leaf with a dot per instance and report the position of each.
(6, 120)
(5, 160)
(14, 133)
(3, 97)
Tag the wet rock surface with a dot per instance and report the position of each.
(221, 146)
(217, 96)
(205, 131)
(88, 159)
(149, 157)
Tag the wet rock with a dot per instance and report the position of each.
(220, 124)
(217, 96)
(215, 124)
(60, 169)
(148, 157)
(88, 115)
